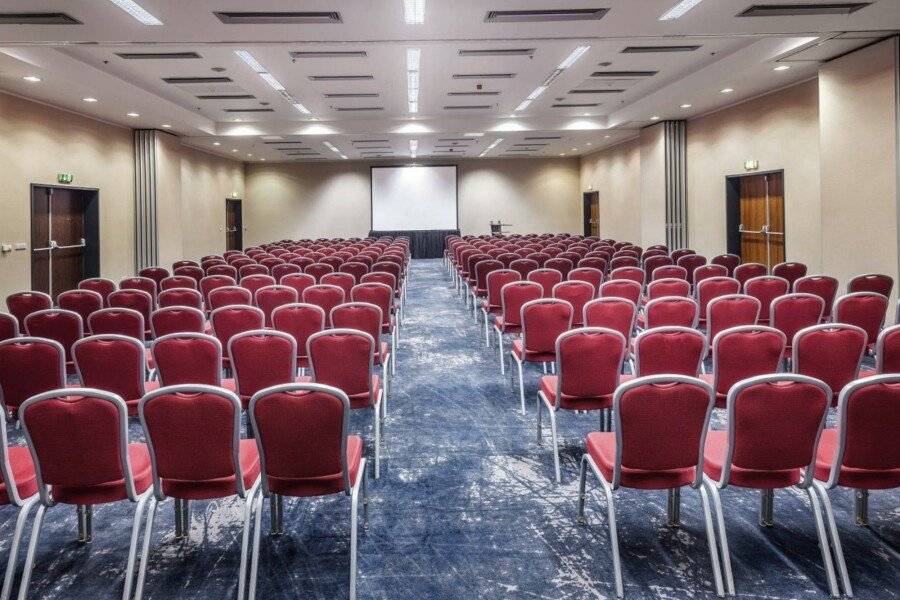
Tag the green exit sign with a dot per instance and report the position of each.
(65, 177)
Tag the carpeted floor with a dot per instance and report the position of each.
(466, 508)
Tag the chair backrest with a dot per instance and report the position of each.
(176, 319)
(177, 281)
(669, 349)
(301, 433)
(678, 253)
(9, 326)
(157, 274)
(669, 272)
(362, 316)
(624, 261)
(713, 287)
(774, 424)
(513, 296)
(182, 358)
(791, 271)
(343, 358)
(252, 269)
(226, 270)
(871, 282)
(140, 283)
(112, 363)
(483, 269)
(613, 313)
(765, 289)
(192, 271)
(101, 285)
(318, 269)
(171, 416)
(622, 288)
(78, 437)
(270, 297)
(588, 274)
(22, 304)
(524, 266)
(671, 311)
(651, 263)
(138, 300)
(747, 271)
(831, 352)
(379, 294)
(792, 312)
(868, 421)
(887, 350)
(659, 288)
(863, 309)
(256, 282)
(635, 274)
(593, 262)
(661, 423)
(214, 282)
(29, 366)
(357, 269)
(729, 261)
(495, 280)
(231, 295)
(83, 302)
(730, 311)
(261, 358)
(707, 271)
(298, 281)
(691, 262)
(563, 265)
(121, 321)
(547, 278)
(542, 322)
(576, 293)
(63, 326)
(324, 295)
(345, 281)
(184, 263)
(588, 362)
(229, 321)
(745, 351)
(821, 285)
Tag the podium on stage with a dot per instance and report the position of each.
(497, 228)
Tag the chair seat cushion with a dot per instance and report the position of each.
(601, 445)
(205, 489)
(714, 459)
(850, 477)
(362, 400)
(866, 373)
(22, 472)
(505, 327)
(382, 356)
(721, 399)
(320, 486)
(528, 356)
(111, 491)
(548, 387)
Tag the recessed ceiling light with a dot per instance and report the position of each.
(574, 149)
(262, 159)
(563, 154)
(32, 78)
(473, 134)
(217, 143)
(137, 11)
(413, 56)
(250, 154)
(606, 137)
(133, 114)
(234, 149)
(686, 105)
(726, 90)
(166, 126)
(654, 118)
(238, 120)
(679, 9)
(89, 99)
(414, 12)
(590, 144)
(782, 68)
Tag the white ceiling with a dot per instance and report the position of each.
(81, 60)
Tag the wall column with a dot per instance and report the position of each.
(675, 143)
(146, 236)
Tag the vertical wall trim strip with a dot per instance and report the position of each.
(675, 146)
(146, 237)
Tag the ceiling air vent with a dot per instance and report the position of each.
(468, 107)
(532, 144)
(33, 18)
(226, 97)
(340, 77)
(621, 74)
(576, 105)
(329, 54)
(483, 75)
(805, 10)
(360, 95)
(652, 49)
(357, 108)
(180, 80)
(369, 141)
(157, 55)
(249, 110)
(602, 91)
(456, 139)
(544, 137)
(499, 52)
(278, 17)
(473, 93)
(552, 14)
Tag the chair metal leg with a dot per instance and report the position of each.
(823, 543)
(500, 347)
(555, 445)
(540, 410)
(276, 512)
(254, 561)
(723, 537)
(766, 506)
(354, 502)
(145, 548)
(861, 507)
(614, 539)
(32, 547)
(182, 518)
(377, 423)
(673, 508)
(394, 340)
(21, 521)
(387, 384)
(132, 548)
(84, 514)
(582, 480)
(521, 383)
(711, 541)
(487, 335)
(836, 547)
(365, 494)
(245, 538)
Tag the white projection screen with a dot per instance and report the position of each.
(414, 198)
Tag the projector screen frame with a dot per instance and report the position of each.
(409, 166)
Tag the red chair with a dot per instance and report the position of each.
(29, 366)
(184, 263)
(298, 463)
(256, 282)
(547, 278)
(189, 358)
(593, 262)
(830, 352)
(628, 273)
(345, 281)
(543, 320)
(22, 304)
(138, 300)
(177, 319)
(622, 288)
(765, 289)
(180, 297)
(669, 311)
(866, 310)
(324, 296)
(102, 286)
(63, 326)
(229, 296)
(382, 296)
(563, 265)
(229, 321)
(298, 281)
(83, 302)
(887, 351)
(342, 358)
(588, 364)
(677, 254)
(492, 304)
(871, 282)
(660, 288)
(691, 262)
(792, 312)
(478, 290)
(318, 269)
(862, 453)
(270, 297)
(190, 467)
(357, 269)
(140, 283)
(512, 297)
(78, 439)
(300, 321)
(708, 271)
(669, 349)
(261, 358)
(661, 426)
(214, 282)
(669, 272)
(367, 317)
(729, 261)
(157, 274)
(120, 321)
(282, 269)
(252, 269)
(730, 311)
(576, 293)
(177, 281)
(792, 271)
(708, 289)
(742, 352)
(226, 270)
(821, 285)
(94, 357)
(651, 263)
(9, 327)
(192, 271)
(747, 271)
(588, 274)
(774, 424)
(624, 261)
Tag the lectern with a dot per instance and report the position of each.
(497, 228)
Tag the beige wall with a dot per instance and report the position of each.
(36, 143)
(294, 200)
(615, 173)
(653, 186)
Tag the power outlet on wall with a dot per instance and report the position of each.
(21, 246)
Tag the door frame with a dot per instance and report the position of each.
(240, 219)
(91, 228)
(587, 199)
(733, 208)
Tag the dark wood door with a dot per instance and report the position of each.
(58, 232)
(233, 225)
(762, 218)
(595, 217)
(592, 213)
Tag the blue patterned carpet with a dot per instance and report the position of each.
(466, 508)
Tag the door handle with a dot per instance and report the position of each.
(742, 230)
(56, 246)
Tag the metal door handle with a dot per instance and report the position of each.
(742, 230)
(55, 246)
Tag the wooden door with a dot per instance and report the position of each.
(592, 213)
(57, 238)
(595, 217)
(762, 218)
(233, 225)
